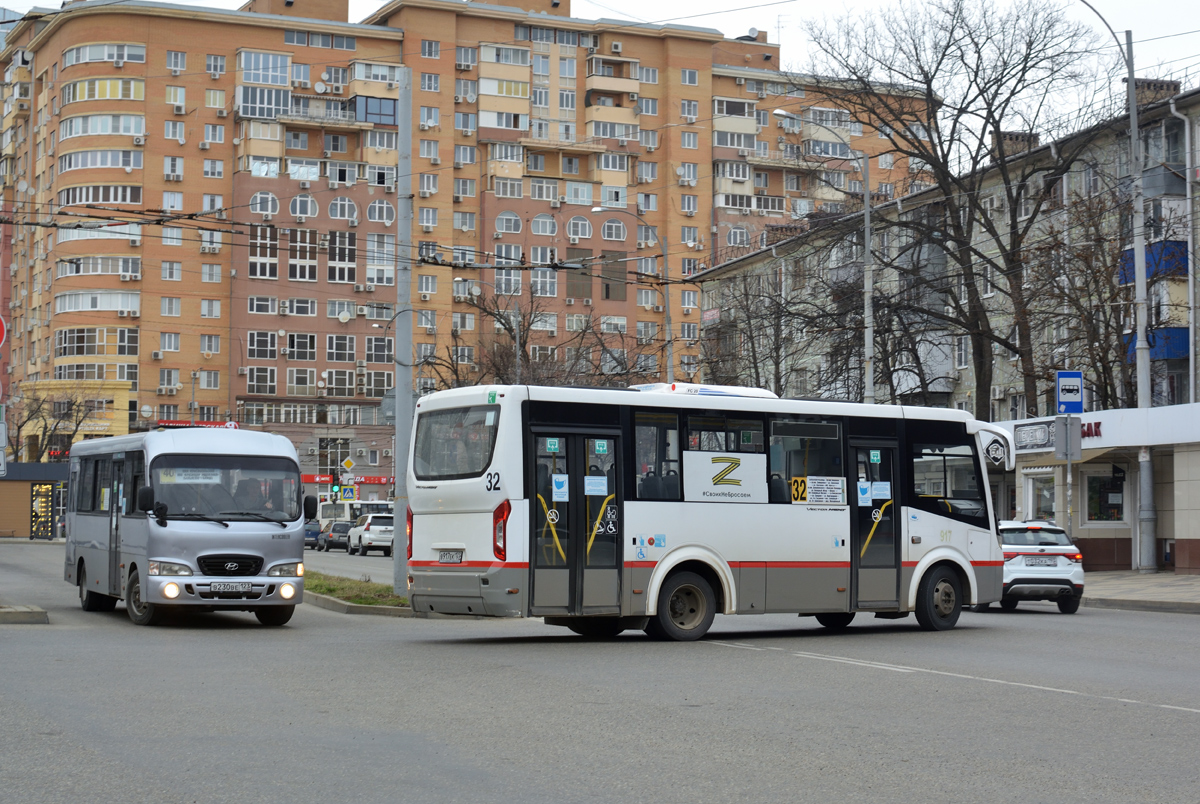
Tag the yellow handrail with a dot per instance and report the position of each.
(872, 533)
(596, 527)
(553, 530)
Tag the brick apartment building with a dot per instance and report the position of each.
(204, 203)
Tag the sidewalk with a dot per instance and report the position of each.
(1162, 591)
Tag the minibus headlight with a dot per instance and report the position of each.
(287, 591)
(171, 591)
(286, 570)
(169, 568)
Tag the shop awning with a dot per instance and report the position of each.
(1047, 460)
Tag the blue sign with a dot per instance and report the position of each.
(559, 490)
(1070, 392)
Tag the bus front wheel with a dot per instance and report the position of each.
(686, 608)
(139, 611)
(89, 600)
(939, 599)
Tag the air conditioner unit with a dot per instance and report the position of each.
(684, 182)
(215, 76)
(460, 298)
(467, 132)
(687, 310)
(362, 452)
(633, 96)
(641, 244)
(497, 235)
(458, 199)
(135, 313)
(359, 288)
(427, 227)
(741, 82)
(743, 152)
(135, 241)
(591, 50)
(691, 213)
(222, 113)
(616, 47)
(180, 109)
(172, 177)
(424, 297)
(285, 351)
(243, 371)
(353, 222)
(423, 126)
(689, 118)
(387, 453)
(435, 160)
(210, 249)
(997, 392)
(762, 94)
(361, 309)
(118, 63)
(283, 311)
(122, 313)
(573, 240)
(658, 308)
(204, 146)
(326, 154)
(172, 390)
(301, 219)
(176, 72)
(762, 212)
(162, 389)
(555, 204)
(321, 392)
(424, 193)
(389, 188)
(267, 216)
(570, 301)
(126, 277)
(462, 65)
(139, 140)
(304, 185)
(430, 330)
(587, 302)
(699, 246)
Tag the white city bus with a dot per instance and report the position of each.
(350, 510)
(207, 519)
(656, 508)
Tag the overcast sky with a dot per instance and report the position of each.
(1176, 20)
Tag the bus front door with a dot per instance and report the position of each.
(576, 547)
(116, 497)
(875, 533)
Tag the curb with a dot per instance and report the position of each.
(342, 607)
(27, 540)
(23, 615)
(1162, 606)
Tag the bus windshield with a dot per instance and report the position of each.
(227, 487)
(456, 443)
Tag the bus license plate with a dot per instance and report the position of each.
(1041, 561)
(450, 556)
(224, 586)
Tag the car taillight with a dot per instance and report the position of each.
(500, 528)
(408, 527)
(368, 527)
(1010, 556)
(1076, 558)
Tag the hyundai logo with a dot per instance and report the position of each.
(231, 566)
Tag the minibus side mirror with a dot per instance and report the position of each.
(310, 507)
(145, 498)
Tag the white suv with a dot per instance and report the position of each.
(371, 532)
(1040, 563)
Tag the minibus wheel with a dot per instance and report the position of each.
(686, 608)
(275, 615)
(89, 600)
(939, 599)
(139, 611)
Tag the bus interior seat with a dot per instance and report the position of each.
(650, 487)
(612, 479)
(779, 489)
(670, 485)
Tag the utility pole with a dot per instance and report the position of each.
(404, 323)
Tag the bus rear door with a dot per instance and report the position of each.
(875, 524)
(576, 543)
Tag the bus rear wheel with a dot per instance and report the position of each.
(139, 611)
(939, 600)
(275, 615)
(92, 601)
(686, 609)
(597, 627)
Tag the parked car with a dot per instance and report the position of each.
(312, 533)
(334, 534)
(371, 532)
(1040, 563)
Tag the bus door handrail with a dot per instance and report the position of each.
(553, 530)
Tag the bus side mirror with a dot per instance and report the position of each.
(145, 498)
(310, 507)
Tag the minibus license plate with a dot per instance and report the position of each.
(450, 557)
(226, 586)
(1041, 561)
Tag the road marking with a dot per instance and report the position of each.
(900, 668)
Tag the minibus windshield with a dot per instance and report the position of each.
(227, 487)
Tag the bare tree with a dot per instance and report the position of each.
(965, 91)
(45, 423)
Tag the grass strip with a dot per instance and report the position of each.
(363, 591)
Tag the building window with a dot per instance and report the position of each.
(210, 308)
(170, 306)
(689, 78)
(339, 348)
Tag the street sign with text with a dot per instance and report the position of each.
(1070, 392)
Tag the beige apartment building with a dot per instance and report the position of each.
(206, 203)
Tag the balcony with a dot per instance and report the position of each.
(323, 118)
(611, 84)
(794, 159)
(585, 145)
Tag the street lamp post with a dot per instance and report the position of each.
(864, 163)
(666, 288)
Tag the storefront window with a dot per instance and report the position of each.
(1105, 499)
(1041, 492)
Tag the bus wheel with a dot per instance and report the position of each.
(275, 615)
(836, 620)
(939, 600)
(596, 627)
(92, 601)
(686, 608)
(141, 612)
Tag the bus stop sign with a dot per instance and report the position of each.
(1070, 392)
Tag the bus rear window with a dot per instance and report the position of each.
(456, 443)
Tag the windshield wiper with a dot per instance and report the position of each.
(256, 515)
(205, 517)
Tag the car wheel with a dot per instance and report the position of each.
(139, 611)
(349, 550)
(686, 608)
(362, 551)
(387, 552)
(1008, 603)
(1069, 605)
(836, 620)
(939, 600)
(275, 615)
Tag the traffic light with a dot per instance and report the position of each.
(337, 490)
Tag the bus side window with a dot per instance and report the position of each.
(801, 450)
(656, 455)
(945, 472)
(706, 433)
(135, 478)
(85, 494)
(103, 500)
(744, 435)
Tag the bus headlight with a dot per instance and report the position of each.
(169, 568)
(286, 570)
(287, 591)
(171, 591)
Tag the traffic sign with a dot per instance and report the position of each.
(1070, 392)
(348, 464)
(3, 331)
(348, 493)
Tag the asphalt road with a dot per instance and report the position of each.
(375, 566)
(1033, 706)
